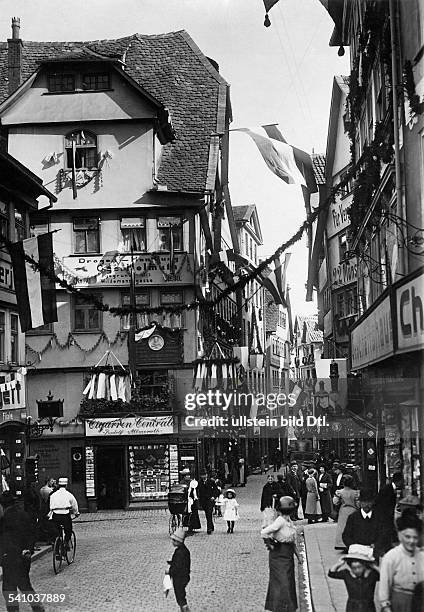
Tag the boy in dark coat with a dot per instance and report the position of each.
(179, 568)
(364, 526)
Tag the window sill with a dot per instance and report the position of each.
(87, 331)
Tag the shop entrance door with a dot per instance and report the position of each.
(111, 484)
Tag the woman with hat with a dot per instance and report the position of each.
(280, 539)
(360, 577)
(346, 500)
(402, 569)
(312, 497)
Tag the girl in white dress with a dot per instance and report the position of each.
(230, 507)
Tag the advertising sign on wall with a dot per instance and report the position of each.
(410, 314)
(372, 338)
(129, 426)
(338, 218)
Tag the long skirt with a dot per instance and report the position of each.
(281, 595)
(344, 512)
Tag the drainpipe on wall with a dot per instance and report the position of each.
(400, 202)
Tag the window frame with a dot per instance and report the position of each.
(74, 237)
(172, 320)
(14, 338)
(85, 306)
(96, 76)
(143, 319)
(3, 328)
(68, 75)
(177, 227)
(67, 137)
(143, 227)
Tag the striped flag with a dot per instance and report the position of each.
(271, 280)
(35, 292)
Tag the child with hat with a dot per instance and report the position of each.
(230, 506)
(179, 568)
(360, 577)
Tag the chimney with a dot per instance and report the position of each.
(15, 46)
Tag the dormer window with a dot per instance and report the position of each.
(81, 150)
(93, 82)
(59, 82)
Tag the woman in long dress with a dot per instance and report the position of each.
(402, 570)
(325, 483)
(347, 500)
(312, 497)
(280, 538)
(193, 520)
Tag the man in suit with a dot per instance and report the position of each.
(207, 492)
(364, 526)
(294, 481)
(17, 537)
(385, 504)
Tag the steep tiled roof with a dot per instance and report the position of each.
(318, 162)
(243, 213)
(174, 71)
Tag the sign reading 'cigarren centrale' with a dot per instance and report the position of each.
(129, 426)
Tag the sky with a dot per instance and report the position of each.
(282, 74)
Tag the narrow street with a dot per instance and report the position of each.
(121, 558)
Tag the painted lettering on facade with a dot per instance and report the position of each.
(338, 219)
(129, 426)
(410, 315)
(6, 275)
(372, 339)
(345, 273)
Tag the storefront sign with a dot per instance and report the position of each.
(410, 314)
(129, 426)
(372, 338)
(338, 218)
(345, 273)
(114, 270)
(6, 275)
(90, 490)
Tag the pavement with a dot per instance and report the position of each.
(121, 559)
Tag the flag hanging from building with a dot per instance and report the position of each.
(271, 280)
(35, 291)
(268, 4)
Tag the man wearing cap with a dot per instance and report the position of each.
(207, 492)
(179, 568)
(17, 539)
(62, 505)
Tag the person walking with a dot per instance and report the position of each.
(179, 568)
(295, 483)
(277, 459)
(385, 504)
(324, 486)
(312, 498)
(45, 531)
(193, 520)
(336, 476)
(17, 538)
(230, 506)
(363, 526)
(346, 500)
(402, 570)
(207, 493)
(280, 539)
(360, 577)
(268, 493)
(242, 472)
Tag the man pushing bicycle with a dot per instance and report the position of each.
(63, 507)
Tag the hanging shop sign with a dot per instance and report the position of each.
(410, 314)
(115, 269)
(372, 338)
(90, 490)
(129, 426)
(338, 218)
(345, 273)
(6, 275)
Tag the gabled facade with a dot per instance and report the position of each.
(126, 133)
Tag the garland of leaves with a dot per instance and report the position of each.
(416, 106)
(72, 341)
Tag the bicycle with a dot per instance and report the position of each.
(61, 552)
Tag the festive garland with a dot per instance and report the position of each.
(416, 106)
(72, 341)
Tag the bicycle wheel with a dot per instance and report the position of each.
(173, 523)
(57, 555)
(70, 554)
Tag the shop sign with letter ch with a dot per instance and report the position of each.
(129, 426)
(410, 315)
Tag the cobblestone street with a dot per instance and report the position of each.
(121, 558)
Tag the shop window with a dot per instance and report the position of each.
(133, 230)
(19, 226)
(4, 219)
(81, 150)
(14, 342)
(149, 471)
(87, 235)
(86, 316)
(152, 391)
(171, 298)
(96, 81)
(143, 319)
(59, 82)
(2, 336)
(170, 230)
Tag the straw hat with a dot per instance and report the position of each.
(230, 491)
(179, 535)
(359, 552)
(287, 502)
(62, 482)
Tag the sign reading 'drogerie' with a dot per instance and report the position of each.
(129, 426)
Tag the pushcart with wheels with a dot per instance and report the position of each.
(177, 505)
